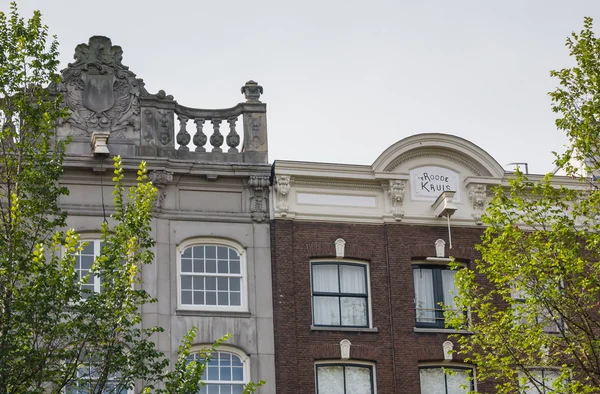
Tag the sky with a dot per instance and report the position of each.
(345, 79)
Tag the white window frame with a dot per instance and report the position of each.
(96, 241)
(520, 298)
(243, 307)
(349, 363)
(369, 293)
(244, 357)
(450, 365)
(522, 375)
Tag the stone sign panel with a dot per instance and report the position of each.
(427, 183)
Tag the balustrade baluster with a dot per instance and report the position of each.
(183, 137)
(199, 138)
(216, 140)
(233, 138)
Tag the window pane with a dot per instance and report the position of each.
(456, 380)
(211, 266)
(424, 301)
(234, 267)
(432, 381)
(237, 373)
(186, 297)
(352, 279)
(187, 253)
(198, 265)
(211, 283)
(186, 265)
(354, 311)
(325, 278)
(88, 249)
(234, 284)
(222, 283)
(86, 262)
(186, 282)
(449, 286)
(223, 298)
(198, 252)
(358, 380)
(198, 298)
(211, 252)
(326, 311)
(211, 298)
(199, 283)
(330, 380)
(223, 267)
(235, 299)
(222, 253)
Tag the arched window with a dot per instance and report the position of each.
(212, 276)
(225, 373)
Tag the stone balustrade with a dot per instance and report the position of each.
(112, 113)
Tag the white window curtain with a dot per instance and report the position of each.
(449, 287)
(326, 310)
(358, 380)
(352, 279)
(424, 301)
(435, 381)
(325, 278)
(340, 379)
(330, 380)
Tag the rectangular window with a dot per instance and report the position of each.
(83, 265)
(340, 294)
(344, 379)
(436, 380)
(434, 288)
(538, 381)
(540, 314)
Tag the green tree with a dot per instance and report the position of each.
(534, 296)
(54, 336)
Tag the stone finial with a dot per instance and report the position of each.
(477, 195)
(440, 248)
(259, 190)
(340, 246)
(252, 90)
(447, 347)
(345, 349)
(396, 191)
(282, 187)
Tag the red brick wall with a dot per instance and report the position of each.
(389, 249)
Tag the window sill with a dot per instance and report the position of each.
(441, 330)
(347, 329)
(191, 312)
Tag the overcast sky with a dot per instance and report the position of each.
(345, 79)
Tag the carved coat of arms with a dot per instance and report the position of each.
(100, 91)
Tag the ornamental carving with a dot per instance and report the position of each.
(478, 195)
(259, 190)
(160, 179)
(101, 93)
(282, 187)
(396, 190)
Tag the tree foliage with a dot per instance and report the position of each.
(534, 296)
(54, 336)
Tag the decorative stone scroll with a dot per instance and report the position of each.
(160, 179)
(340, 246)
(259, 189)
(447, 347)
(282, 187)
(478, 195)
(345, 349)
(396, 191)
(100, 92)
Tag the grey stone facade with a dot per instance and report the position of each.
(212, 171)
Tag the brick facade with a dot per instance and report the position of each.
(395, 348)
